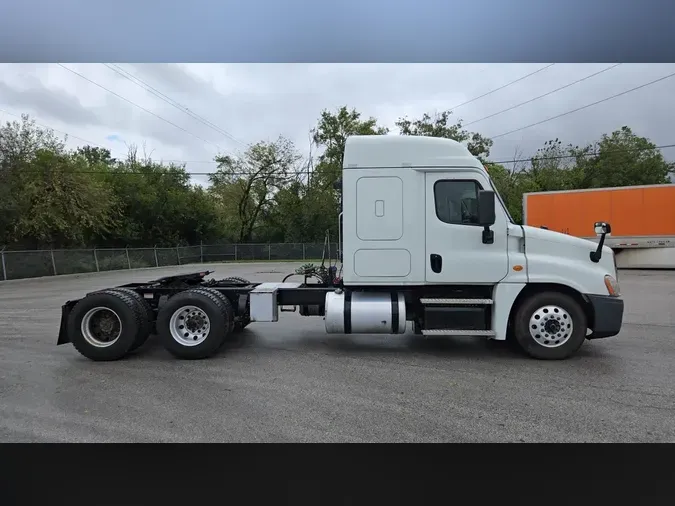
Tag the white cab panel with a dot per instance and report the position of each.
(382, 263)
(379, 208)
(383, 226)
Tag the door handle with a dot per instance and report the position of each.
(436, 262)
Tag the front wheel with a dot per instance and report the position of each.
(550, 326)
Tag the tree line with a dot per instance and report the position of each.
(54, 197)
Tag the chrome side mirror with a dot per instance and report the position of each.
(602, 228)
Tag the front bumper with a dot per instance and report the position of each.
(608, 315)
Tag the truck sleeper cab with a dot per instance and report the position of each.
(425, 239)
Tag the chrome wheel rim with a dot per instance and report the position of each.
(101, 327)
(551, 326)
(189, 326)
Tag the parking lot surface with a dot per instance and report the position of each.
(291, 382)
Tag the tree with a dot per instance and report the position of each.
(331, 134)
(96, 155)
(621, 159)
(60, 206)
(20, 142)
(158, 205)
(439, 125)
(553, 167)
(19, 145)
(52, 196)
(321, 201)
(246, 185)
(511, 182)
(45, 196)
(284, 218)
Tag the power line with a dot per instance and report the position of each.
(585, 106)
(494, 137)
(139, 106)
(502, 87)
(557, 157)
(147, 87)
(92, 143)
(500, 162)
(544, 95)
(59, 131)
(665, 146)
(146, 173)
(593, 153)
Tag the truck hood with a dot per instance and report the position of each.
(567, 258)
(541, 234)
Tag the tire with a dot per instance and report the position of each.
(211, 316)
(541, 330)
(228, 303)
(234, 328)
(148, 320)
(90, 319)
(244, 319)
(239, 321)
(237, 280)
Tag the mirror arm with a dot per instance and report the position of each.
(488, 235)
(597, 254)
(606, 228)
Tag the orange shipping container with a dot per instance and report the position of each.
(632, 211)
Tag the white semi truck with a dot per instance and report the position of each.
(425, 240)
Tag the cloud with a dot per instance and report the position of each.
(194, 111)
(47, 103)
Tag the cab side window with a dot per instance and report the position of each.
(457, 201)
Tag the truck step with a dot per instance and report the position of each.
(449, 332)
(455, 302)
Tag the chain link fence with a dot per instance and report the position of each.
(16, 264)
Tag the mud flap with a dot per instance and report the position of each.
(63, 328)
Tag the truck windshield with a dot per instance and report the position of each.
(501, 201)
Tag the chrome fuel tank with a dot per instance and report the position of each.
(365, 313)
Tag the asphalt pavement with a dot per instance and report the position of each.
(291, 382)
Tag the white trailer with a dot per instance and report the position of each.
(425, 239)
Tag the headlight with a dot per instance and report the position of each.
(612, 286)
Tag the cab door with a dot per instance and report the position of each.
(455, 253)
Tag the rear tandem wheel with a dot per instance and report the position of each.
(105, 325)
(148, 321)
(194, 324)
(242, 320)
(237, 280)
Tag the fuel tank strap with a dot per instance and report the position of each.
(394, 313)
(348, 312)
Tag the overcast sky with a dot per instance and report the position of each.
(252, 102)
